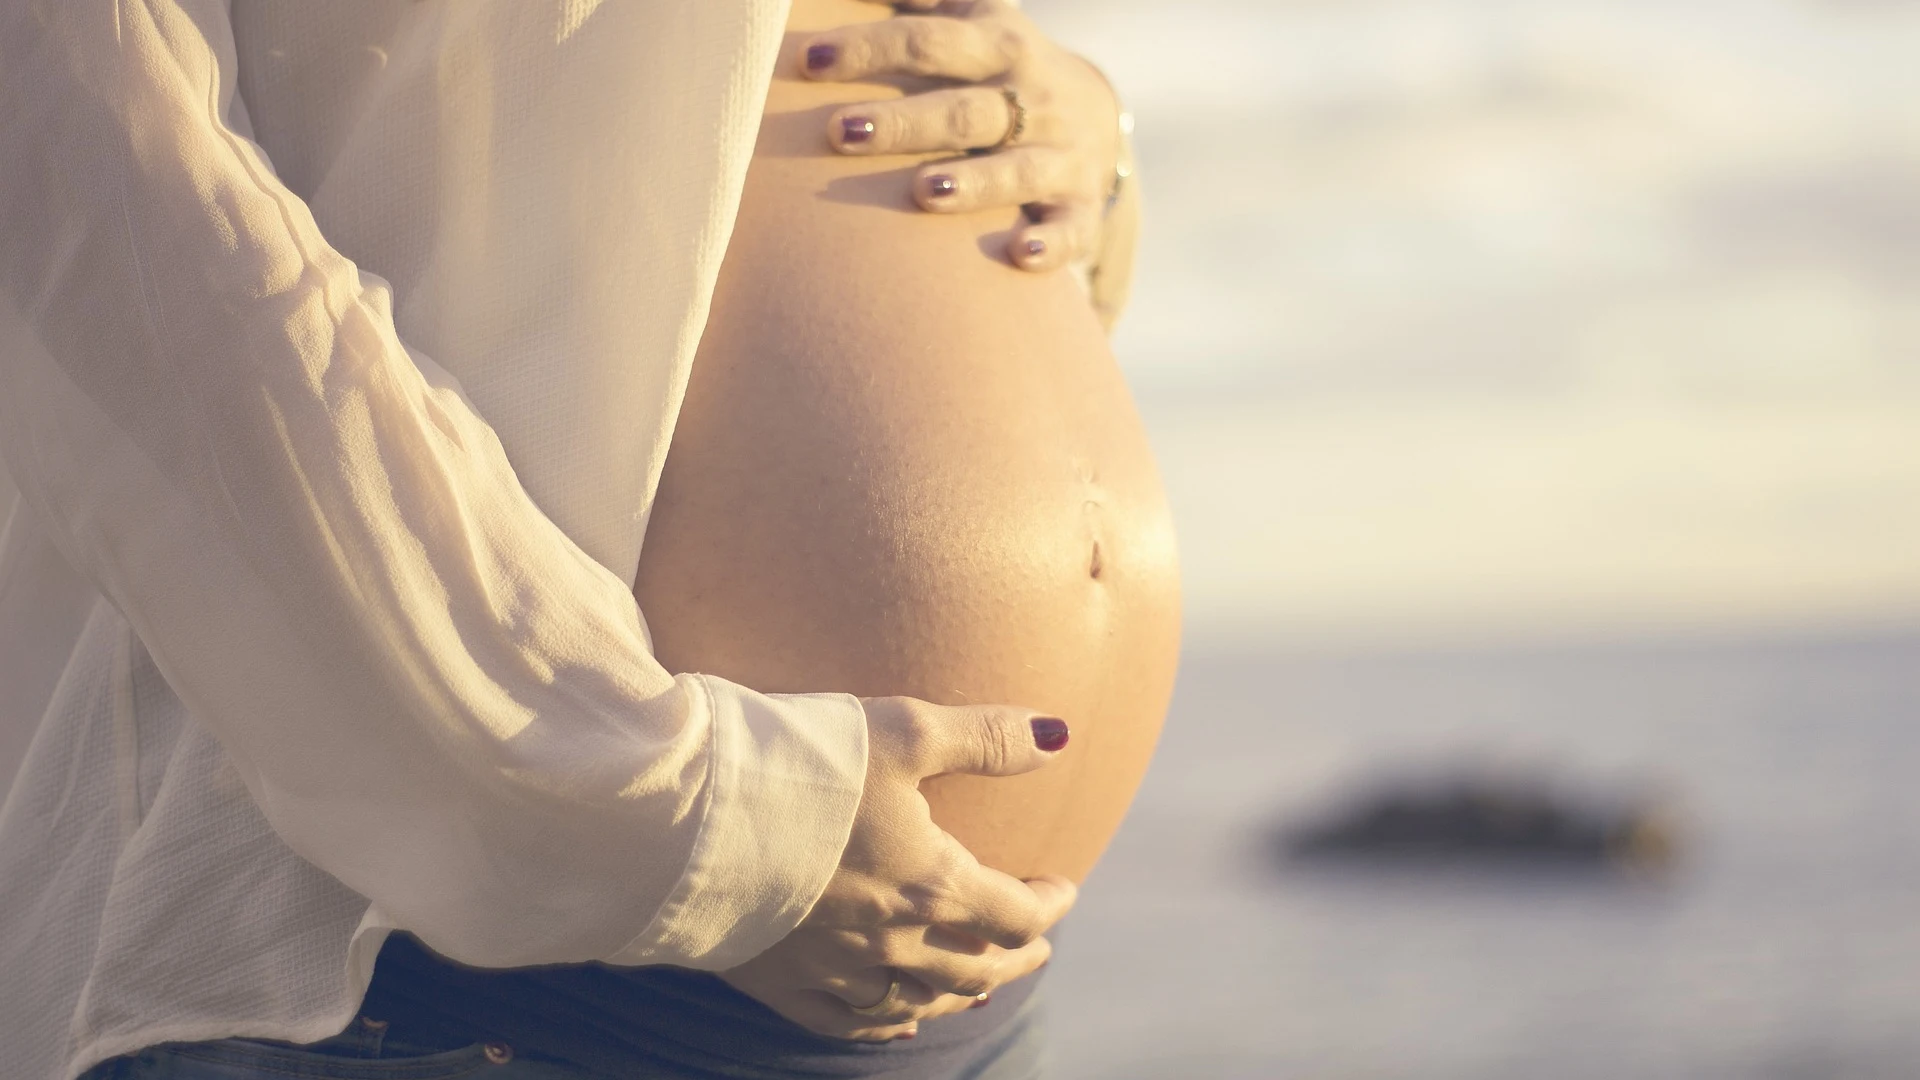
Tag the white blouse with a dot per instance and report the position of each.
(309, 649)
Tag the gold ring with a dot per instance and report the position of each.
(886, 1000)
(1016, 118)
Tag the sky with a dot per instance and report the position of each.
(1520, 318)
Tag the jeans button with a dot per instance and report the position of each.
(498, 1053)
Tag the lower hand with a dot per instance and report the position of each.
(911, 926)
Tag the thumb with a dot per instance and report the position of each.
(1056, 895)
(996, 740)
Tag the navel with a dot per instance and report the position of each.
(1093, 515)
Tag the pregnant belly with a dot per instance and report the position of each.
(903, 467)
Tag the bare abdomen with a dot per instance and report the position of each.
(905, 468)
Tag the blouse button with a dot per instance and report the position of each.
(498, 1053)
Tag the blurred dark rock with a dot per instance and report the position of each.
(1491, 820)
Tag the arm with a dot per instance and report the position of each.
(429, 690)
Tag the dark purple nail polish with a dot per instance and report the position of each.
(855, 129)
(981, 1001)
(1036, 247)
(1049, 733)
(906, 1035)
(821, 57)
(940, 185)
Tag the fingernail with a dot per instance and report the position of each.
(821, 57)
(1049, 733)
(906, 1035)
(940, 185)
(981, 1001)
(855, 129)
(1036, 247)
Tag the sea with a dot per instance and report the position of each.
(1783, 942)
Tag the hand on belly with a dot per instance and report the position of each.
(912, 927)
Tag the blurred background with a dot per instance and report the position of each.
(1537, 385)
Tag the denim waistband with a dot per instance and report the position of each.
(675, 1023)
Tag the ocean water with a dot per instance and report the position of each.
(1783, 944)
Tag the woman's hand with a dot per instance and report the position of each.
(911, 922)
(1047, 118)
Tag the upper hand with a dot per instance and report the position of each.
(908, 900)
(1060, 167)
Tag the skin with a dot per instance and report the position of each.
(905, 467)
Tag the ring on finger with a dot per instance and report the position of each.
(1016, 118)
(885, 1004)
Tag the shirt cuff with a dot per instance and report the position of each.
(785, 777)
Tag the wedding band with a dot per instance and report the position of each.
(1016, 118)
(884, 1004)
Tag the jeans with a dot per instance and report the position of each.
(362, 1052)
(366, 1051)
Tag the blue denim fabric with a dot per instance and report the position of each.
(366, 1052)
(362, 1052)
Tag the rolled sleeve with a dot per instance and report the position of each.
(786, 778)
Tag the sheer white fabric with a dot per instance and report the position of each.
(308, 648)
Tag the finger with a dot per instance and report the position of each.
(816, 1010)
(826, 1014)
(1064, 233)
(916, 1002)
(932, 45)
(1024, 174)
(882, 995)
(959, 7)
(1010, 913)
(981, 902)
(961, 974)
(963, 118)
(949, 1004)
(962, 8)
(983, 740)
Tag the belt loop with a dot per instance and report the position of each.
(373, 1034)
